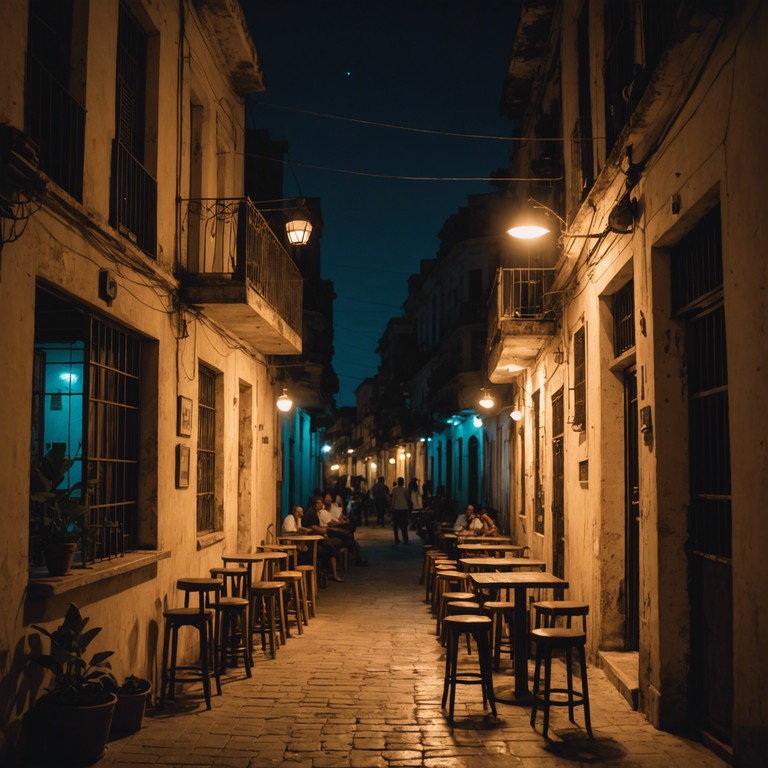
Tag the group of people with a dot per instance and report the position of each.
(473, 522)
(325, 517)
(400, 502)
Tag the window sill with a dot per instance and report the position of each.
(209, 539)
(43, 588)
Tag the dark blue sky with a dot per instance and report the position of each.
(430, 64)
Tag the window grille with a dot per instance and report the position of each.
(113, 436)
(618, 68)
(624, 319)
(133, 209)
(206, 450)
(579, 381)
(538, 494)
(55, 119)
(88, 370)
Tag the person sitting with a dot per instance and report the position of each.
(336, 522)
(326, 554)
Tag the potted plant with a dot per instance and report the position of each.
(58, 512)
(69, 724)
(132, 696)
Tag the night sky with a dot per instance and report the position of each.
(426, 64)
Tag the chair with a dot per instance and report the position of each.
(547, 641)
(548, 611)
(202, 619)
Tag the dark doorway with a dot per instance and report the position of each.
(631, 514)
(558, 486)
(473, 469)
(697, 291)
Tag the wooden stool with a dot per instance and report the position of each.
(289, 549)
(438, 567)
(548, 611)
(449, 581)
(310, 593)
(201, 618)
(295, 589)
(456, 607)
(268, 614)
(479, 627)
(233, 640)
(426, 548)
(430, 558)
(547, 640)
(444, 598)
(500, 611)
(273, 561)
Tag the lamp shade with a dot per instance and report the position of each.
(532, 222)
(284, 403)
(486, 400)
(298, 230)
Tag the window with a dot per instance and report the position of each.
(624, 319)
(206, 450)
(619, 68)
(86, 394)
(538, 487)
(134, 190)
(55, 117)
(581, 147)
(579, 381)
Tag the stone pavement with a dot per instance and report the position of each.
(362, 688)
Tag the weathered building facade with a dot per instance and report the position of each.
(641, 371)
(140, 295)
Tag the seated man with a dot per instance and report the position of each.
(326, 553)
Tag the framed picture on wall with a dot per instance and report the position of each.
(182, 466)
(184, 417)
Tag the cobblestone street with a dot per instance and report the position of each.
(362, 686)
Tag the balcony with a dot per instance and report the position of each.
(520, 320)
(240, 274)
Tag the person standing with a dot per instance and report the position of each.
(400, 505)
(380, 496)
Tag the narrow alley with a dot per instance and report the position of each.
(362, 686)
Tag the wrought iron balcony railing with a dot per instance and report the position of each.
(519, 294)
(133, 209)
(55, 121)
(230, 240)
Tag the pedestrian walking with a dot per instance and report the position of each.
(400, 506)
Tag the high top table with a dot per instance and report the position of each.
(520, 581)
(490, 564)
(304, 538)
(469, 550)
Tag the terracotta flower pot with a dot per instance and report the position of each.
(129, 711)
(59, 557)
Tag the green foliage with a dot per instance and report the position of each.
(75, 680)
(61, 516)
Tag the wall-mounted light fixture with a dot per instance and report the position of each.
(334, 467)
(298, 224)
(540, 220)
(373, 465)
(391, 459)
(326, 448)
(486, 399)
(284, 403)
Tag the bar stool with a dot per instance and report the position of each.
(294, 581)
(547, 640)
(273, 561)
(268, 614)
(548, 611)
(232, 606)
(308, 572)
(479, 627)
(445, 598)
(501, 611)
(430, 558)
(425, 549)
(201, 618)
(455, 607)
(450, 581)
(439, 566)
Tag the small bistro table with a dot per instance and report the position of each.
(520, 581)
(492, 547)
